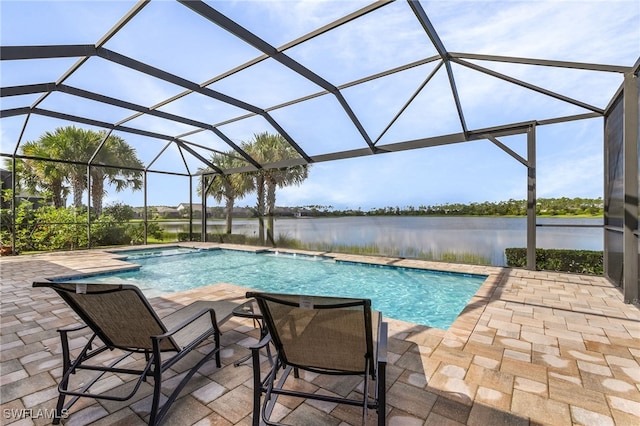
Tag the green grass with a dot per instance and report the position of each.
(284, 241)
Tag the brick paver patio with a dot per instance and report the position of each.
(530, 348)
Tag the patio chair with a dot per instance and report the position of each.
(120, 317)
(325, 335)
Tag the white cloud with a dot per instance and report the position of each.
(585, 31)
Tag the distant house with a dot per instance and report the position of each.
(284, 211)
(302, 212)
(183, 209)
(168, 212)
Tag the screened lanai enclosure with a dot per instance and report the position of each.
(351, 87)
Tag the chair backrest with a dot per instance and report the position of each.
(120, 315)
(328, 334)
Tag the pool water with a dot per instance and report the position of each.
(418, 296)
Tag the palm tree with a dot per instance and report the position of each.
(115, 151)
(227, 187)
(65, 143)
(260, 148)
(79, 145)
(269, 148)
(43, 177)
(260, 202)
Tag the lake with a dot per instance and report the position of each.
(483, 236)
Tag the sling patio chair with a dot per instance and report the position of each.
(120, 317)
(324, 335)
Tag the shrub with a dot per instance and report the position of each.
(214, 238)
(227, 238)
(119, 211)
(578, 261)
(106, 231)
(153, 230)
(46, 228)
(184, 236)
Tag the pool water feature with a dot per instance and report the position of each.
(155, 252)
(418, 296)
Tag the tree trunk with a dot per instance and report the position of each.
(271, 206)
(97, 192)
(260, 207)
(56, 189)
(230, 203)
(77, 184)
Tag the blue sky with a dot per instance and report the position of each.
(169, 36)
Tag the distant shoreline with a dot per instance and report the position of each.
(545, 207)
(566, 216)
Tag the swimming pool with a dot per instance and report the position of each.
(418, 296)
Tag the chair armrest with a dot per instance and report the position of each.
(382, 342)
(262, 343)
(71, 329)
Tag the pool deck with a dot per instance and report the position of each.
(529, 348)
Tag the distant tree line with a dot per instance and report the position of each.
(545, 207)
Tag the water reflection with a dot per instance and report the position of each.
(482, 236)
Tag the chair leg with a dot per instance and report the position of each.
(216, 337)
(381, 389)
(66, 365)
(68, 368)
(365, 392)
(158, 413)
(58, 414)
(257, 386)
(157, 385)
